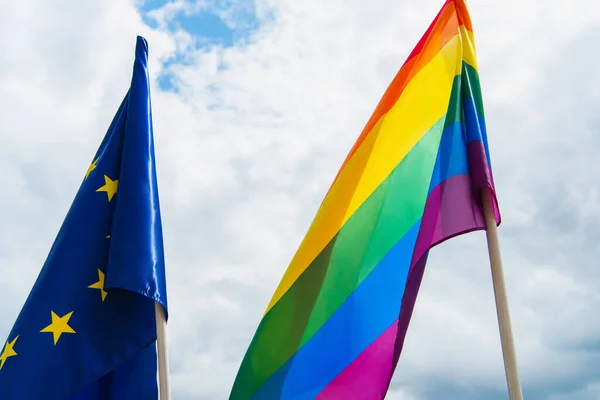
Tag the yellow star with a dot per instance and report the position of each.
(100, 285)
(59, 326)
(110, 187)
(91, 168)
(107, 236)
(9, 351)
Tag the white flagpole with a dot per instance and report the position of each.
(506, 335)
(161, 348)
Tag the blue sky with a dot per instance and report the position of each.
(207, 23)
(217, 23)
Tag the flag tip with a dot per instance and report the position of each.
(141, 46)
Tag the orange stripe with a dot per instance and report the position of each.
(443, 28)
(463, 14)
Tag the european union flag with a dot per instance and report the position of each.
(88, 329)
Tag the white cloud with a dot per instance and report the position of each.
(250, 142)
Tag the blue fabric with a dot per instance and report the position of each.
(87, 330)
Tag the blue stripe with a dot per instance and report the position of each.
(452, 155)
(363, 317)
(452, 158)
(475, 126)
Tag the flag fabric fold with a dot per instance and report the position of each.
(87, 329)
(336, 324)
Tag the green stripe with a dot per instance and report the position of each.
(473, 88)
(378, 224)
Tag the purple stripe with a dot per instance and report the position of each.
(369, 374)
(481, 173)
(451, 209)
(408, 304)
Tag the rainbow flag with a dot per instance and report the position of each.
(336, 324)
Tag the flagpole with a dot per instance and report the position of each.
(161, 347)
(506, 335)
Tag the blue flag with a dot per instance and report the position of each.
(87, 330)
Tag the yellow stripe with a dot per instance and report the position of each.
(469, 54)
(423, 102)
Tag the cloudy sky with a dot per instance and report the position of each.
(256, 104)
